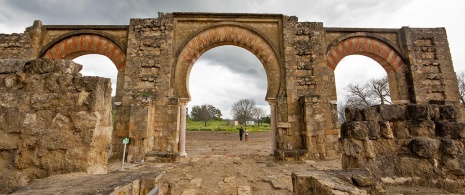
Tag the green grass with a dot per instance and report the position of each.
(212, 125)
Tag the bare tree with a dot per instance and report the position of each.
(380, 89)
(258, 113)
(375, 91)
(461, 83)
(242, 110)
(359, 95)
(341, 114)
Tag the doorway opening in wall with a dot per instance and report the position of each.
(360, 82)
(228, 85)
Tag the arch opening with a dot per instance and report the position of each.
(379, 50)
(360, 82)
(219, 35)
(220, 77)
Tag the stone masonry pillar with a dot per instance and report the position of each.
(182, 132)
(273, 125)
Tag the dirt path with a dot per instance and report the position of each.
(218, 163)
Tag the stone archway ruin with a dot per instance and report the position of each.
(218, 35)
(378, 49)
(154, 57)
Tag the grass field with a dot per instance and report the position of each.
(222, 126)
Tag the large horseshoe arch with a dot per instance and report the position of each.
(218, 35)
(227, 34)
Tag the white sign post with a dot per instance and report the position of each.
(125, 142)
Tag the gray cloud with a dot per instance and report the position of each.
(239, 61)
(331, 12)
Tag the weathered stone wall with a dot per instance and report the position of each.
(311, 94)
(416, 140)
(52, 121)
(430, 64)
(147, 115)
(20, 45)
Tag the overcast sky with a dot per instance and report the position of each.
(226, 74)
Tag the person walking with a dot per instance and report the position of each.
(246, 133)
(241, 131)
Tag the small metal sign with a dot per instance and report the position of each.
(126, 141)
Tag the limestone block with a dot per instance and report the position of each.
(370, 151)
(322, 183)
(386, 130)
(452, 130)
(451, 147)
(56, 82)
(46, 65)
(452, 166)
(411, 166)
(138, 121)
(372, 114)
(386, 147)
(448, 112)
(61, 122)
(392, 112)
(351, 147)
(44, 119)
(46, 101)
(425, 147)
(422, 128)
(9, 120)
(8, 66)
(85, 124)
(353, 114)
(421, 112)
(33, 84)
(54, 139)
(401, 130)
(374, 131)
(356, 129)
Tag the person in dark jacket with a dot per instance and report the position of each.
(241, 131)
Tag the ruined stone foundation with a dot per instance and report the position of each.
(422, 143)
(390, 148)
(52, 121)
